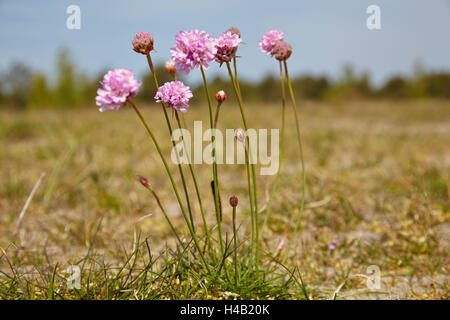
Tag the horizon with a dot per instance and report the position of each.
(340, 35)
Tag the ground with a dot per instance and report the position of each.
(378, 183)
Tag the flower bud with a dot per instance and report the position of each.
(143, 181)
(239, 134)
(170, 67)
(143, 42)
(221, 96)
(234, 201)
(235, 30)
(282, 50)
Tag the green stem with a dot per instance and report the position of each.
(196, 188)
(249, 187)
(236, 75)
(183, 211)
(277, 177)
(215, 176)
(164, 212)
(252, 165)
(302, 203)
(180, 169)
(216, 118)
(236, 275)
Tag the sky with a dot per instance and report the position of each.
(325, 34)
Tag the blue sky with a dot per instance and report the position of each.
(324, 34)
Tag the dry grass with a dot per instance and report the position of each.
(378, 178)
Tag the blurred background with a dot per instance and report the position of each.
(44, 64)
(374, 110)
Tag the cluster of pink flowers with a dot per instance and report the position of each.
(175, 94)
(118, 86)
(273, 44)
(193, 49)
(227, 45)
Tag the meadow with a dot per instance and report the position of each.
(377, 194)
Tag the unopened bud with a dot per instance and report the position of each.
(234, 201)
(143, 181)
(239, 135)
(143, 42)
(170, 67)
(221, 96)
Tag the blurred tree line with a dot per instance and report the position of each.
(22, 88)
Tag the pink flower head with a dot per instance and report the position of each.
(175, 94)
(332, 245)
(143, 42)
(227, 45)
(118, 86)
(282, 50)
(269, 40)
(193, 49)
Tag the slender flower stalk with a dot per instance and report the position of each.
(166, 166)
(235, 74)
(147, 185)
(169, 126)
(170, 68)
(240, 137)
(277, 177)
(236, 31)
(302, 203)
(215, 176)
(197, 190)
(252, 165)
(251, 199)
(234, 203)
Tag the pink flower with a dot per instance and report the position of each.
(227, 45)
(175, 94)
(282, 50)
(269, 40)
(332, 244)
(143, 42)
(118, 86)
(193, 49)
